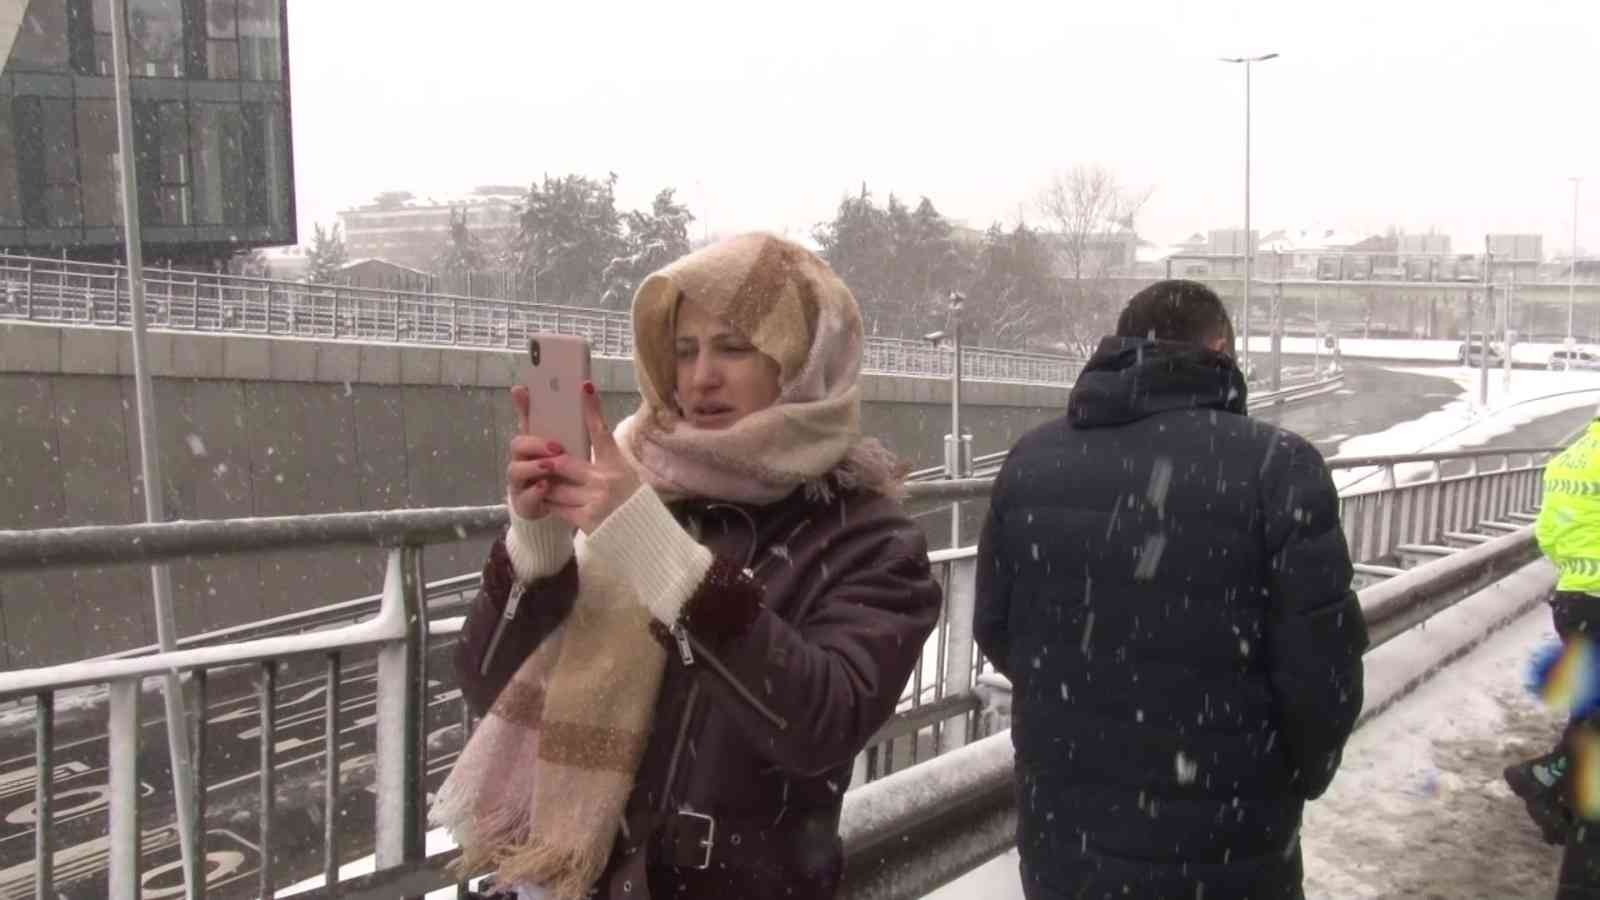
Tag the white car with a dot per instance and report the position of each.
(1564, 360)
(1470, 353)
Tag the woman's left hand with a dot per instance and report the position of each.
(585, 492)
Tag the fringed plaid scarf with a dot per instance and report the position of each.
(539, 790)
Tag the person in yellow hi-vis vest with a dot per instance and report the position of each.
(1568, 532)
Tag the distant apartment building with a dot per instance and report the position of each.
(212, 149)
(410, 230)
(1226, 247)
(1515, 257)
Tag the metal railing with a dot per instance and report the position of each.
(988, 465)
(96, 294)
(403, 626)
(1423, 498)
(397, 627)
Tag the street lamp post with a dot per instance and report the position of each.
(124, 866)
(1249, 245)
(1572, 264)
(956, 449)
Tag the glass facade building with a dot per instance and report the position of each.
(210, 89)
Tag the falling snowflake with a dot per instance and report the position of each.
(1186, 768)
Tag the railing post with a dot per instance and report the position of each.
(122, 732)
(44, 717)
(198, 679)
(267, 706)
(960, 591)
(27, 293)
(400, 762)
(330, 784)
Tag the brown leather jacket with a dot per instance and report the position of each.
(796, 648)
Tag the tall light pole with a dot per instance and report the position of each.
(183, 786)
(1249, 245)
(957, 451)
(1572, 264)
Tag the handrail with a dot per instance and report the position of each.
(328, 614)
(1291, 394)
(46, 548)
(1397, 459)
(977, 486)
(1394, 605)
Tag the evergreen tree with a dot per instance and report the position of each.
(653, 240)
(569, 232)
(326, 256)
(462, 253)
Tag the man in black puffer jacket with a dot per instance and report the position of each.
(1166, 584)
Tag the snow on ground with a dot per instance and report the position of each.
(438, 841)
(1463, 422)
(1419, 808)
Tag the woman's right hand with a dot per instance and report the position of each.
(528, 474)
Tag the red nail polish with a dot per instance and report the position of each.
(554, 447)
(588, 387)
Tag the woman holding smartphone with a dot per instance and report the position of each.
(695, 631)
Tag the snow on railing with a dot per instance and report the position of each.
(52, 290)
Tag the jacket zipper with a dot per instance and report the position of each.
(513, 600)
(677, 747)
(691, 650)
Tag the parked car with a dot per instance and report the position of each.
(1565, 360)
(1470, 353)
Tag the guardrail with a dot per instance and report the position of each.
(398, 626)
(398, 631)
(988, 464)
(48, 290)
(1423, 497)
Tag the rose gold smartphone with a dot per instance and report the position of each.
(559, 365)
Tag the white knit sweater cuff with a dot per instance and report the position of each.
(538, 547)
(642, 542)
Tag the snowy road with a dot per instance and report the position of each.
(1419, 808)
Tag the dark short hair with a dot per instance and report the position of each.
(1177, 310)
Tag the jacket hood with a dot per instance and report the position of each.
(1129, 379)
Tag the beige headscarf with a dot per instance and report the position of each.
(794, 309)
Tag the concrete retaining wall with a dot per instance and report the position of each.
(265, 427)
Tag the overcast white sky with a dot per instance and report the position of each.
(1460, 115)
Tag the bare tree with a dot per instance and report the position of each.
(1092, 214)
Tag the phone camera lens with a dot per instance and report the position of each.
(533, 350)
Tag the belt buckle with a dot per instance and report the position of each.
(710, 839)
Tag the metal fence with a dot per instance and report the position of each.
(94, 294)
(1423, 498)
(398, 626)
(988, 465)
